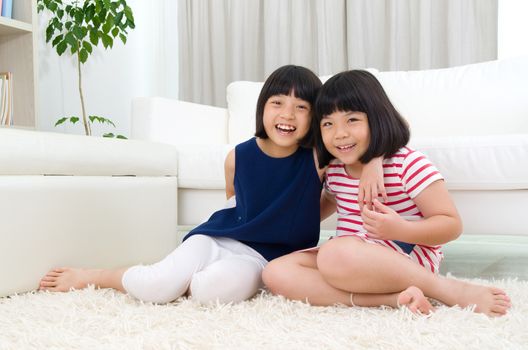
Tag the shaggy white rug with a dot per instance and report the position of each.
(104, 319)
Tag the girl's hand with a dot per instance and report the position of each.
(383, 222)
(371, 183)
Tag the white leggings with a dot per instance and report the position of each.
(209, 268)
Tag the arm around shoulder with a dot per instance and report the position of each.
(229, 167)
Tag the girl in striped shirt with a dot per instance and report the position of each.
(388, 253)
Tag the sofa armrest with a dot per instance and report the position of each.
(24, 152)
(177, 122)
(95, 218)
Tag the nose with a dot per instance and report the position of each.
(340, 132)
(286, 115)
(288, 112)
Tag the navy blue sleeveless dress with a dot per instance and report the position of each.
(277, 203)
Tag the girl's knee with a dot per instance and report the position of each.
(233, 279)
(278, 275)
(272, 276)
(199, 241)
(209, 288)
(143, 284)
(336, 259)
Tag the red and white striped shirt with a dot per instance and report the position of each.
(406, 174)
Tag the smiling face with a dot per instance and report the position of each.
(286, 120)
(346, 135)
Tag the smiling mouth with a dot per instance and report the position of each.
(346, 148)
(285, 128)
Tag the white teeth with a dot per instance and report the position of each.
(285, 127)
(345, 147)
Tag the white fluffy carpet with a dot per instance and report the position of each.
(104, 319)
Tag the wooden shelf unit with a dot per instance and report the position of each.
(18, 55)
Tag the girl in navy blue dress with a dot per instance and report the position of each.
(277, 186)
(273, 184)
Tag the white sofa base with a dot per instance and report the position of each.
(59, 221)
(68, 200)
(484, 212)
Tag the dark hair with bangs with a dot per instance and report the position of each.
(360, 91)
(300, 81)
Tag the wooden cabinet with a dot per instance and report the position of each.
(18, 55)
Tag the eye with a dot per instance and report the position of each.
(303, 107)
(326, 124)
(352, 119)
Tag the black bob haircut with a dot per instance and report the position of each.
(360, 91)
(300, 81)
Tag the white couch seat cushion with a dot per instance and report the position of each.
(497, 162)
(202, 166)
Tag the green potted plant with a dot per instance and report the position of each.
(79, 26)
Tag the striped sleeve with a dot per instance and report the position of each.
(327, 185)
(417, 173)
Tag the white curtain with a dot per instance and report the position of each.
(226, 40)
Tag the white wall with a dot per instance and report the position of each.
(513, 28)
(146, 66)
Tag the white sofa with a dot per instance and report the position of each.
(68, 200)
(472, 121)
(93, 202)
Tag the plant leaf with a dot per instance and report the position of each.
(94, 38)
(70, 39)
(121, 137)
(79, 16)
(108, 24)
(107, 40)
(90, 11)
(78, 32)
(60, 121)
(83, 55)
(49, 32)
(87, 46)
(109, 134)
(74, 120)
(96, 21)
(57, 40)
(63, 45)
(52, 6)
(128, 14)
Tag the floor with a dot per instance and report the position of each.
(483, 256)
(487, 257)
(476, 256)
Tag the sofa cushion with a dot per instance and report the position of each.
(487, 98)
(498, 162)
(467, 163)
(202, 166)
(25, 152)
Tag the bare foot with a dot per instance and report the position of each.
(487, 300)
(414, 299)
(63, 279)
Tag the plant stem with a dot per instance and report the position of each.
(87, 128)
